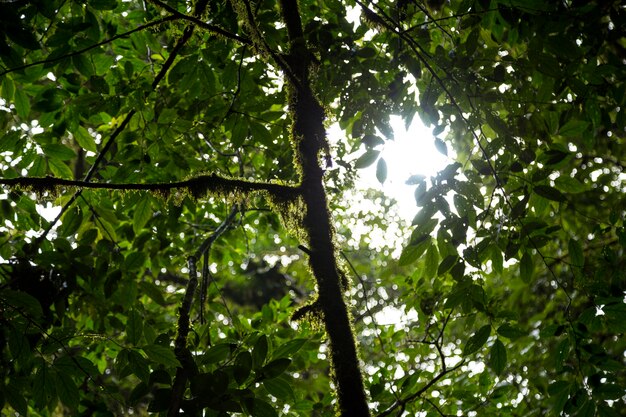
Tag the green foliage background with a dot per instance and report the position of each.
(512, 275)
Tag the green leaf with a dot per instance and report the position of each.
(570, 185)
(279, 388)
(22, 104)
(239, 132)
(58, 151)
(84, 139)
(527, 267)
(510, 332)
(242, 366)
(577, 258)
(381, 171)
(550, 193)
(21, 300)
(7, 88)
(152, 291)
(39, 167)
(161, 355)
(431, 262)
(15, 398)
(412, 252)
(477, 340)
(368, 158)
(44, 391)
(260, 408)
(289, 348)
(276, 367)
(134, 327)
(143, 213)
(447, 263)
(217, 353)
(259, 352)
(573, 128)
(561, 353)
(134, 261)
(497, 261)
(497, 357)
(161, 400)
(72, 220)
(60, 169)
(67, 390)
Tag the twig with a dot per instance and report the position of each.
(90, 47)
(206, 26)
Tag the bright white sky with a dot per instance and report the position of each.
(411, 152)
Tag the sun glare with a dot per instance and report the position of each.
(412, 152)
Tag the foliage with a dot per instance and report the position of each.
(510, 285)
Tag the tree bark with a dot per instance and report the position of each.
(309, 137)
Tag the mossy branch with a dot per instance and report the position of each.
(214, 29)
(198, 186)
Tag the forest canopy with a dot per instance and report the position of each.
(180, 236)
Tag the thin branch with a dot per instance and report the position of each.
(90, 47)
(203, 25)
(402, 403)
(197, 186)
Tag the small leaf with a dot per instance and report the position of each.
(526, 267)
(510, 332)
(577, 258)
(134, 260)
(279, 388)
(411, 253)
(573, 128)
(276, 367)
(243, 366)
(368, 158)
(58, 151)
(381, 171)
(60, 169)
(432, 262)
(497, 357)
(441, 146)
(447, 263)
(67, 390)
(550, 193)
(372, 140)
(415, 179)
(152, 291)
(72, 219)
(477, 340)
(217, 353)
(84, 139)
(259, 352)
(22, 104)
(161, 355)
(134, 327)
(143, 213)
(260, 408)
(289, 348)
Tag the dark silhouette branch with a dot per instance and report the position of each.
(216, 30)
(401, 404)
(197, 186)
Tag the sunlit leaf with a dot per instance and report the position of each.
(477, 340)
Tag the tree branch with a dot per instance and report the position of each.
(206, 26)
(90, 47)
(197, 186)
(402, 403)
